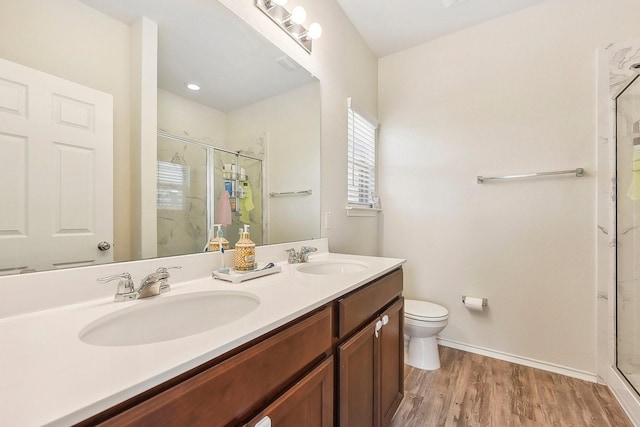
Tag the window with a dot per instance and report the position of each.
(361, 158)
(173, 181)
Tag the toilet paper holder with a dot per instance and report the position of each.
(485, 301)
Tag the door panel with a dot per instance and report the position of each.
(358, 378)
(58, 180)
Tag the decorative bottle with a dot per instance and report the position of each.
(245, 256)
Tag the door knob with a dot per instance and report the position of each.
(104, 246)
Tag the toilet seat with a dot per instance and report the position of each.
(424, 311)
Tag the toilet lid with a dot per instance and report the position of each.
(419, 310)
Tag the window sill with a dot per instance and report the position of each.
(358, 211)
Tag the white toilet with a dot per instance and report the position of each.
(422, 322)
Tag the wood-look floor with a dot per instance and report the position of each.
(474, 390)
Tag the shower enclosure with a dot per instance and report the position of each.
(628, 233)
(191, 179)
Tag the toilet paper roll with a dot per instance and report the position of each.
(473, 304)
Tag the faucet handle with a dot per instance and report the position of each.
(293, 256)
(164, 286)
(305, 251)
(126, 289)
(166, 269)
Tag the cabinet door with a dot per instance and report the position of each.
(391, 362)
(372, 371)
(358, 378)
(308, 403)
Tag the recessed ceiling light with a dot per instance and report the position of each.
(192, 86)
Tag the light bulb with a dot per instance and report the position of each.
(298, 15)
(315, 31)
(192, 86)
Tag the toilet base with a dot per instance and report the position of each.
(423, 353)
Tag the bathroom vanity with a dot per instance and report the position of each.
(322, 348)
(287, 376)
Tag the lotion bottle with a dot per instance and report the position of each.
(245, 256)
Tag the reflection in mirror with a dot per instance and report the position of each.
(71, 188)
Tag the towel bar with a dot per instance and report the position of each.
(291, 193)
(579, 172)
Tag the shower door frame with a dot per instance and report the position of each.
(634, 387)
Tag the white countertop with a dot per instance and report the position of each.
(49, 377)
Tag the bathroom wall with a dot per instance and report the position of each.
(513, 95)
(182, 117)
(91, 49)
(297, 137)
(345, 67)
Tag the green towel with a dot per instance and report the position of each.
(246, 203)
(634, 187)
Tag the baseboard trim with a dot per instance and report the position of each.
(532, 363)
(624, 395)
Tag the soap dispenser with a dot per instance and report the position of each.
(245, 256)
(219, 241)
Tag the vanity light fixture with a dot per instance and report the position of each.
(272, 3)
(291, 22)
(314, 32)
(192, 86)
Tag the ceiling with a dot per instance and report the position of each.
(389, 26)
(203, 42)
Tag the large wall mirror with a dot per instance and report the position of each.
(244, 149)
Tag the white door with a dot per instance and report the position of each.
(56, 171)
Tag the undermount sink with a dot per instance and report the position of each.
(169, 317)
(332, 268)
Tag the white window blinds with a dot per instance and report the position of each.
(173, 183)
(361, 157)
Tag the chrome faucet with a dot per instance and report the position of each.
(152, 285)
(302, 256)
(155, 283)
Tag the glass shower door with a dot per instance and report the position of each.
(182, 197)
(628, 233)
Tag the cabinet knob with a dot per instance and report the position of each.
(265, 422)
(385, 320)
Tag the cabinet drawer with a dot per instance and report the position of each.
(228, 393)
(308, 403)
(358, 307)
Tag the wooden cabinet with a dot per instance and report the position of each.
(340, 364)
(371, 361)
